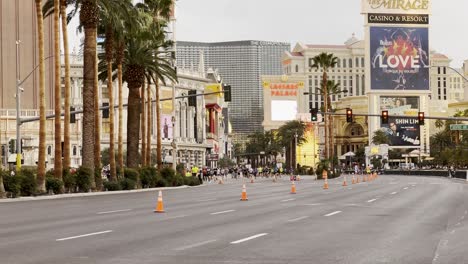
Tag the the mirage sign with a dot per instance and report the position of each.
(422, 7)
(399, 58)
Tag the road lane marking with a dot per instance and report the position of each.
(452, 232)
(207, 200)
(173, 217)
(334, 213)
(222, 212)
(298, 219)
(373, 200)
(249, 238)
(116, 211)
(85, 235)
(393, 193)
(315, 204)
(406, 188)
(196, 245)
(288, 200)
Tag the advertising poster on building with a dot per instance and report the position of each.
(166, 127)
(402, 132)
(399, 58)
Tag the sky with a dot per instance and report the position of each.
(306, 21)
(309, 22)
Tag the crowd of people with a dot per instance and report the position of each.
(207, 174)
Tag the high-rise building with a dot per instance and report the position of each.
(18, 24)
(240, 63)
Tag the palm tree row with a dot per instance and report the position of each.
(135, 50)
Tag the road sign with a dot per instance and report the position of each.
(458, 127)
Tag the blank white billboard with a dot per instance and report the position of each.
(283, 110)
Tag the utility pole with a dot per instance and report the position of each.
(18, 102)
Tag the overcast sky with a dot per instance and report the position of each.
(307, 21)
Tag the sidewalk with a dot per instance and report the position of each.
(74, 195)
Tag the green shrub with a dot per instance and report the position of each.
(69, 181)
(191, 181)
(112, 186)
(54, 184)
(83, 179)
(12, 184)
(161, 182)
(178, 180)
(148, 177)
(28, 182)
(321, 166)
(168, 174)
(132, 174)
(50, 174)
(127, 184)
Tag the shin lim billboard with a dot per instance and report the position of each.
(399, 58)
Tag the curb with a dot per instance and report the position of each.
(75, 195)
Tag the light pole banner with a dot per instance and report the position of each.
(399, 58)
(422, 7)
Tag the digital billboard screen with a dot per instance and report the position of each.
(401, 131)
(399, 58)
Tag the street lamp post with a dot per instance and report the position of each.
(295, 151)
(174, 144)
(18, 102)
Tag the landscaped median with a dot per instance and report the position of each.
(78, 183)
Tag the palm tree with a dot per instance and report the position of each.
(290, 133)
(439, 123)
(143, 126)
(326, 61)
(119, 59)
(149, 125)
(41, 168)
(160, 11)
(57, 95)
(380, 138)
(89, 16)
(66, 123)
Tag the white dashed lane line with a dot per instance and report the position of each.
(222, 212)
(116, 211)
(334, 213)
(298, 219)
(195, 245)
(85, 235)
(371, 201)
(248, 238)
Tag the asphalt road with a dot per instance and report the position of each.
(393, 219)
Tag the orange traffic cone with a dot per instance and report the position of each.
(159, 206)
(353, 181)
(220, 181)
(298, 178)
(293, 188)
(344, 182)
(244, 194)
(325, 184)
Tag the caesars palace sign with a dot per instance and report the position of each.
(396, 6)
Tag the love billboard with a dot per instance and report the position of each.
(399, 58)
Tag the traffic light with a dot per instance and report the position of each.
(421, 118)
(384, 117)
(105, 112)
(349, 115)
(313, 114)
(227, 93)
(12, 146)
(192, 100)
(72, 116)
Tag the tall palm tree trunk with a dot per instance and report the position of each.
(89, 18)
(120, 51)
(109, 58)
(41, 166)
(149, 125)
(158, 128)
(66, 124)
(143, 127)
(133, 125)
(97, 134)
(57, 95)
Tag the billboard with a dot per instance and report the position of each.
(396, 6)
(401, 131)
(283, 110)
(166, 127)
(399, 58)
